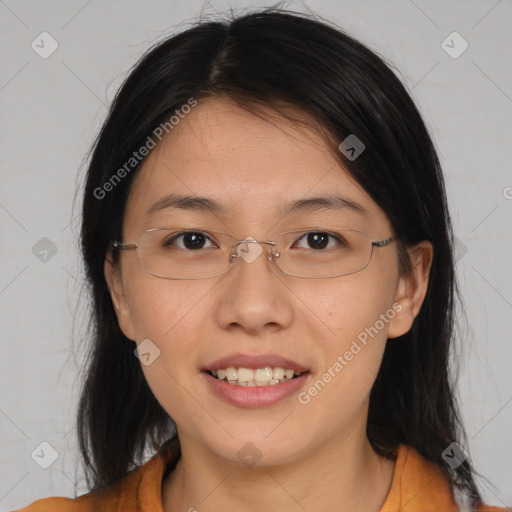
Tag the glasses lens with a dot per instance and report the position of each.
(178, 253)
(323, 253)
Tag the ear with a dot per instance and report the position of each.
(412, 288)
(112, 273)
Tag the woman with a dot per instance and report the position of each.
(270, 256)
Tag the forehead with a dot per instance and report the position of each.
(249, 165)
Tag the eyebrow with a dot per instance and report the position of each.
(205, 204)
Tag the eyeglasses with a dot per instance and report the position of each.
(184, 253)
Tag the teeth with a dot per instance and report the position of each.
(266, 376)
(263, 374)
(278, 373)
(246, 374)
(231, 374)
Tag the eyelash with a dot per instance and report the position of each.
(176, 236)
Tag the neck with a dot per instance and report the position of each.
(342, 470)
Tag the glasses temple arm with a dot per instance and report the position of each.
(384, 242)
(125, 247)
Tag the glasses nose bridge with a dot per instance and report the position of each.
(252, 250)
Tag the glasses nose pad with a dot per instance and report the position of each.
(249, 249)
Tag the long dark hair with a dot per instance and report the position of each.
(277, 58)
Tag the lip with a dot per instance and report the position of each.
(255, 361)
(257, 396)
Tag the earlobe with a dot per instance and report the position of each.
(113, 281)
(412, 288)
(116, 289)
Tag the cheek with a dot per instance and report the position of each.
(173, 315)
(170, 315)
(348, 305)
(354, 314)
(159, 308)
(350, 351)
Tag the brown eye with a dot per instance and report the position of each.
(190, 240)
(318, 240)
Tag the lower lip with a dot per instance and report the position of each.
(255, 396)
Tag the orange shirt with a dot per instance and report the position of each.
(417, 486)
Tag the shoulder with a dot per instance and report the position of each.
(419, 485)
(59, 504)
(141, 485)
(91, 502)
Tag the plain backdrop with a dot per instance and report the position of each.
(52, 108)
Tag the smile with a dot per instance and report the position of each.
(254, 394)
(249, 377)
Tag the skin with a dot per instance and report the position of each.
(315, 456)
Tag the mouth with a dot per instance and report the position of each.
(255, 377)
(250, 388)
(255, 380)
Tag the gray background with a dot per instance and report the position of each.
(51, 110)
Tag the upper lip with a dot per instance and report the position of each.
(254, 361)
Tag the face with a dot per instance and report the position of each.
(252, 167)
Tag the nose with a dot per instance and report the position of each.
(250, 249)
(253, 296)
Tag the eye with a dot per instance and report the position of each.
(189, 240)
(319, 240)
